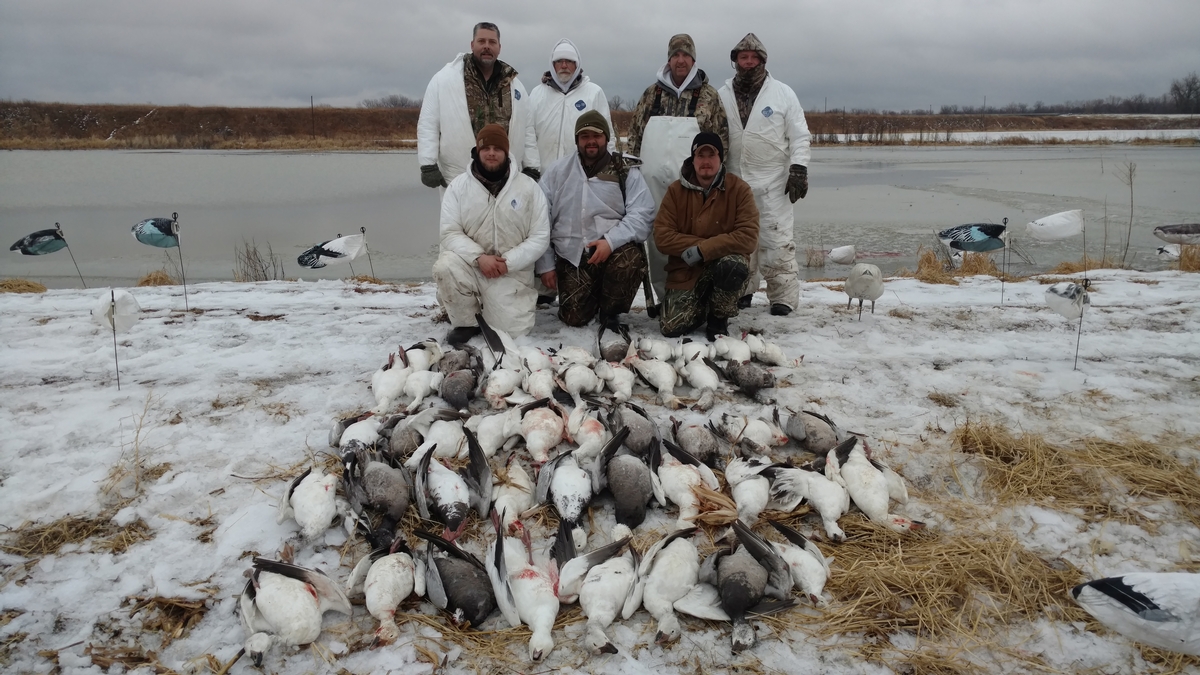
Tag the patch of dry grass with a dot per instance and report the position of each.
(930, 269)
(943, 399)
(975, 264)
(901, 313)
(130, 658)
(1086, 263)
(814, 257)
(157, 278)
(32, 540)
(21, 286)
(173, 617)
(1189, 258)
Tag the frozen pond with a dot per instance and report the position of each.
(885, 201)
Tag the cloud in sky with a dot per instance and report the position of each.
(867, 54)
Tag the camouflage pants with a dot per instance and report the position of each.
(607, 288)
(715, 294)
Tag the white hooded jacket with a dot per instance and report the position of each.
(444, 133)
(555, 112)
(775, 136)
(515, 224)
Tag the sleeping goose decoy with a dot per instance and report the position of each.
(864, 283)
(843, 255)
(808, 566)
(310, 500)
(568, 486)
(525, 587)
(457, 583)
(867, 485)
(1158, 609)
(387, 577)
(283, 603)
(669, 570)
(1068, 299)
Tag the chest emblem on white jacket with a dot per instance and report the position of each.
(517, 94)
(580, 105)
(767, 111)
(516, 204)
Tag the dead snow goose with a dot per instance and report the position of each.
(1158, 609)
(284, 603)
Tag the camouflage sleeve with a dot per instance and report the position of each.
(633, 143)
(710, 114)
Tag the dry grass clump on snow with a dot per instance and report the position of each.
(21, 286)
(1086, 263)
(975, 264)
(157, 278)
(173, 617)
(1189, 258)
(32, 540)
(930, 269)
(814, 257)
(1093, 478)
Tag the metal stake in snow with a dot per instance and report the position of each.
(182, 271)
(369, 261)
(68, 246)
(1079, 335)
(1005, 255)
(117, 312)
(112, 311)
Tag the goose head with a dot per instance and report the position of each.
(257, 645)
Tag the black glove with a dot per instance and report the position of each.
(532, 173)
(797, 183)
(692, 256)
(431, 176)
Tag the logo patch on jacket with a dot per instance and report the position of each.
(516, 204)
(580, 105)
(767, 111)
(517, 94)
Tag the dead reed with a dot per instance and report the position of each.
(251, 264)
(157, 278)
(21, 286)
(930, 269)
(33, 540)
(814, 257)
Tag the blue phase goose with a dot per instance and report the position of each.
(457, 583)
(1161, 610)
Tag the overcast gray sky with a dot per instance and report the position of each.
(892, 54)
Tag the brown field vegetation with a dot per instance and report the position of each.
(30, 125)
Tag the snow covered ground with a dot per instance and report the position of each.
(219, 404)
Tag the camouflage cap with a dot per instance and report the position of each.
(750, 43)
(681, 43)
(592, 121)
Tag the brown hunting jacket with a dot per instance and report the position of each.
(721, 221)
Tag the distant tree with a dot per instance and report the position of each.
(617, 103)
(1185, 94)
(393, 101)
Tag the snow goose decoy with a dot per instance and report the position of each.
(370, 481)
(843, 255)
(525, 587)
(311, 501)
(341, 249)
(865, 282)
(387, 577)
(792, 486)
(569, 487)
(867, 485)
(1181, 234)
(1068, 299)
(1158, 609)
(283, 603)
(457, 583)
(669, 571)
(158, 232)
(809, 568)
(974, 237)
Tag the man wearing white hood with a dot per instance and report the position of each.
(564, 95)
(769, 149)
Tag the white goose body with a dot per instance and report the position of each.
(790, 486)
(572, 354)
(539, 384)
(731, 349)
(514, 496)
(588, 433)
(444, 437)
(687, 351)
(654, 348)
(750, 490)
(501, 384)
(387, 384)
(808, 567)
(365, 430)
(571, 491)
(421, 383)
(535, 360)
(603, 596)
(766, 352)
(526, 593)
(424, 355)
(666, 578)
(494, 431)
(703, 378)
(678, 480)
(661, 376)
(542, 429)
(312, 501)
(286, 605)
(868, 488)
(1161, 610)
(387, 581)
(578, 379)
(757, 430)
(618, 378)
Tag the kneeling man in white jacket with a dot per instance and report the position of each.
(494, 226)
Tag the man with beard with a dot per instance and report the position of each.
(769, 149)
(669, 114)
(494, 227)
(708, 225)
(564, 95)
(470, 92)
(600, 213)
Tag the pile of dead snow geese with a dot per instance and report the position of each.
(531, 429)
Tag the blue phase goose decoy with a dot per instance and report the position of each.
(1068, 299)
(525, 586)
(310, 500)
(1157, 609)
(974, 237)
(865, 282)
(1183, 233)
(341, 249)
(387, 577)
(41, 242)
(158, 232)
(457, 583)
(283, 603)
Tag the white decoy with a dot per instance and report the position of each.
(421, 383)
(654, 348)
(1058, 226)
(617, 377)
(513, 494)
(500, 384)
(868, 487)
(731, 349)
(751, 491)
(865, 282)
(568, 486)
(1158, 609)
(808, 566)
(700, 372)
(388, 382)
(1068, 299)
(679, 474)
(659, 375)
(542, 428)
(525, 588)
(284, 603)
(669, 571)
(843, 255)
(311, 501)
(792, 485)
(387, 576)
(1169, 252)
